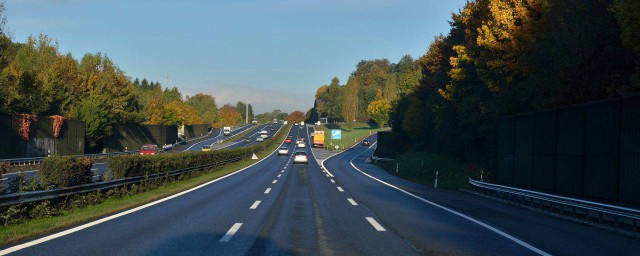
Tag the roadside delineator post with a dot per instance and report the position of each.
(435, 184)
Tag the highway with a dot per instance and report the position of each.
(276, 207)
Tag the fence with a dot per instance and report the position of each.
(196, 130)
(41, 140)
(589, 151)
(132, 136)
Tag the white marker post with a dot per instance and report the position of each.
(435, 184)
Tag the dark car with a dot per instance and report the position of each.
(366, 143)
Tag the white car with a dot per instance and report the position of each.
(300, 157)
(283, 151)
(300, 144)
(259, 139)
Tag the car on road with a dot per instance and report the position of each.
(273, 129)
(149, 149)
(283, 151)
(288, 140)
(259, 139)
(206, 148)
(366, 143)
(300, 144)
(247, 140)
(300, 157)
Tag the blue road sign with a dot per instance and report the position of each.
(336, 134)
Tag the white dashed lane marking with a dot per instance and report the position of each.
(353, 202)
(232, 231)
(340, 189)
(375, 224)
(267, 191)
(274, 181)
(255, 205)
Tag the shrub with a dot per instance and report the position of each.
(65, 171)
(4, 168)
(43, 210)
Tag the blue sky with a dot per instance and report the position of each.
(270, 53)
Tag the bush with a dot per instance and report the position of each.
(65, 171)
(4, 168)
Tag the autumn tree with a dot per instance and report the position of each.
(379, 111)
(205, 105)
(296, 117)
(228, 116)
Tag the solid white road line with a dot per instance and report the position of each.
(255, 205)
(353, 202)
(375, 224)
(497, 231)
(274, 181)
(267, 191)
(332, 181)
(105, 219)
(232, 231)
(340, 189)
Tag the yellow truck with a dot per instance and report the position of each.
(318, 139)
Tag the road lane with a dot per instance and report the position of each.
(436, 231)
(299, 215)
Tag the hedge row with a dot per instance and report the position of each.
(65, 171)
(139, 165)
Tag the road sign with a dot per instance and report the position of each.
(336, 134)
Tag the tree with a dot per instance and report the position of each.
(350, 102)
(242, 108)
(171, 94)
(390, 87)
(228, 116)
(205, 105)
(180, 113)
(379, 111)
(296, 117)
(94, 112)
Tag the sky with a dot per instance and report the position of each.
(273, 54)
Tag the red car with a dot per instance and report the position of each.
(288, 140)
(149, 149)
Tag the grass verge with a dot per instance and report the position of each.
(349, 137)
(66, 218)
(421, 167)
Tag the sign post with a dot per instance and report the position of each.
(336, 134)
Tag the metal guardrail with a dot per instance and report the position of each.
(42, 195)
(612, 215)
(37, 160)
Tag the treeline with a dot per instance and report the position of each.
(502, 57)
(368, 93)
(37, 79)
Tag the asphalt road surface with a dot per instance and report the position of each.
(276, 207)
